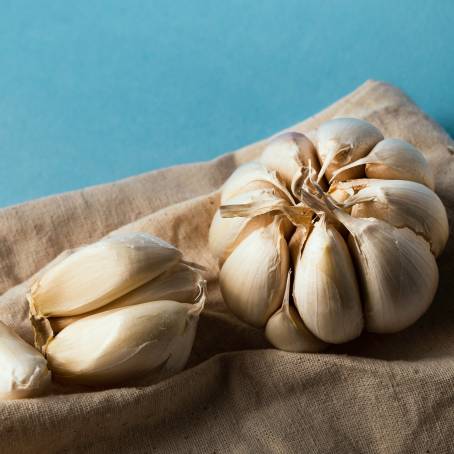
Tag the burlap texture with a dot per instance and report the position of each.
(378, 394)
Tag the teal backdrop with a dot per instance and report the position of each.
(92, 91)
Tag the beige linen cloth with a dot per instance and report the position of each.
(378, 394)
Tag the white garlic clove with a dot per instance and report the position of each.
(325, 290)
(180, 283)
(343, 140)
(23, 370)
(395, 159)
(398, 271)
(149, 341)
(288, 153)
(286, 331)
(252, 176)
(403, 204)
(99, 273)
(253, 278)
(226, 232)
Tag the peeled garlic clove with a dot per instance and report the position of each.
(404, 204)
(179, 283)
(343, 140)
(252, 279)
(399, 273)
(395, 159)
(288, 153)
(285, 329)
(252, 176)
(99, 273)
(325, 290)
(23, 370)
(149, 341)
(225, 232)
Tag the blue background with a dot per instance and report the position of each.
(92, 91)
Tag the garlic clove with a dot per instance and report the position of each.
(395, 159)
(253, 278)
(325, 290)
(149, 341)
(341, 141)
(286, 331)
(226, 232)
(399, 274)
(99, 273)
(180, 283)
(288, 153)
(403, 204)
(252, 176)
(23, 371)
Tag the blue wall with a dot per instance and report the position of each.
(92, 91)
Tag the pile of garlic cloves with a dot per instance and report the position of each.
(122, 309)
(321, 239)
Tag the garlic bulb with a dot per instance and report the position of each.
(146, 341)
(398, 272)
(250, 177)
(23, 371)
(325, 290)
(226, 232)
(362, 251)
(402, 204)
(97, 274)
(343, 140)
(253, 278)
(179, 283)
(394, 159)
(285, 329)
(287, 153)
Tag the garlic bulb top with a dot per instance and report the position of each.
(23, 370)
(362, 251)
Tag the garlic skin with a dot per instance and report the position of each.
(23, 371)
(149, 341)
(403, 204)
(341, 141)
(286, 331)
(398, 271)
(225, 233)
(395, 159)
(253, 278)
(99, 273)
(288, 153)
(180, 283)
(325, 290)
(252, 176)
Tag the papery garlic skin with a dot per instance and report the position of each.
(325, 290)
(225, 233)
(395, 159)
(285, 329)
(180, 283)
(288, 153)
(398, 271)
(343, 140)
(99, 273)
(253, 278)
(403, 204)
(149, 341)
(250, 177)
(23, 370)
